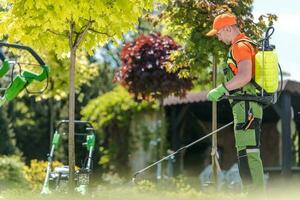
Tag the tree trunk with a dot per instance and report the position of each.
(71, 144)
(51, 107)
(75, 40)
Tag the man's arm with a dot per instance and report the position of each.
(243, 76)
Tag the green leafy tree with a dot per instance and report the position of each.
(58, 81)
(188, 21)
(66, 27)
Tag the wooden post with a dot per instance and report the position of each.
(286, 134)
(214, 150)
(283, 109)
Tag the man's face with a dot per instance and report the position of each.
(224, 35)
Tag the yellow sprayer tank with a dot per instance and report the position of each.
(266, 75)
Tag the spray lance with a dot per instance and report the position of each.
(22, 80)
(182, 148)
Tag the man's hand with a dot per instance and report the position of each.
(216, 93)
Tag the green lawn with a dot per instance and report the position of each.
(148, 192)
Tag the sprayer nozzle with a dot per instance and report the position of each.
(134, 177)
(133, 180)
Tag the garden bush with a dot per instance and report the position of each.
(12, 173)
(145, 70)
(36, 172)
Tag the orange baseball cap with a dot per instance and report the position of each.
(221, 21)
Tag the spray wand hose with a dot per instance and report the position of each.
(182, 148)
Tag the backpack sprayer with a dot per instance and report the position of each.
(22, 80)
(266, 79)
(266, 72)
(57, 179)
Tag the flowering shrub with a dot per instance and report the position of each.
(36, 172)
(144, 71)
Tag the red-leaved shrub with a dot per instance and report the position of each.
(144, 72)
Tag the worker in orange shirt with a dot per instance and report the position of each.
(239, 82)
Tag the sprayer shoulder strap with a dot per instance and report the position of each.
(245, 40)
(233, 65)
(257, 86)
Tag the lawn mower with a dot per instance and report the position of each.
(57, 179)
(19, 82)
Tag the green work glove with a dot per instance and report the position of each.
(216, 93)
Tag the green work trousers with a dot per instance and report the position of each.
(247, 130)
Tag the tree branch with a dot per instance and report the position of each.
(80, 36)
(76, 38)
(82, 29)
(102, 33)
(71, 35)
(87, 19)
(59, 34)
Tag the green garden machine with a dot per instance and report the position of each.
(20, 81)
(56, 179)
